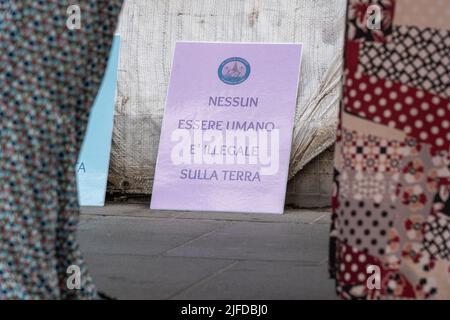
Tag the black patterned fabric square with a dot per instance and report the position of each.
(437, 236)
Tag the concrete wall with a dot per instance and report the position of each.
(311, 187)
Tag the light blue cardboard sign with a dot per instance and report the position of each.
(93, 161)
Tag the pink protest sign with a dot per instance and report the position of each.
(227, 129)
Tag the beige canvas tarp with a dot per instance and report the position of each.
(149, 29)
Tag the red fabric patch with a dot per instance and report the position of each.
(419, 114)
(352, 271)
(352, 55)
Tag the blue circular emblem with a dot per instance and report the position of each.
(234, 71)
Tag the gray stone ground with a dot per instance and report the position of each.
(137, 253)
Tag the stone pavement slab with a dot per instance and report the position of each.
(263, 280)
(142, 210)
(137, 253)
(149, 277)
(261, 241)
(144, 236)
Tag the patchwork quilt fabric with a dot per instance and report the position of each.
(390, 235)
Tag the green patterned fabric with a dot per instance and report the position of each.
(49, 77)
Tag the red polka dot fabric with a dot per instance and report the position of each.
(390, 234)
(421, 115)
(49, 76)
